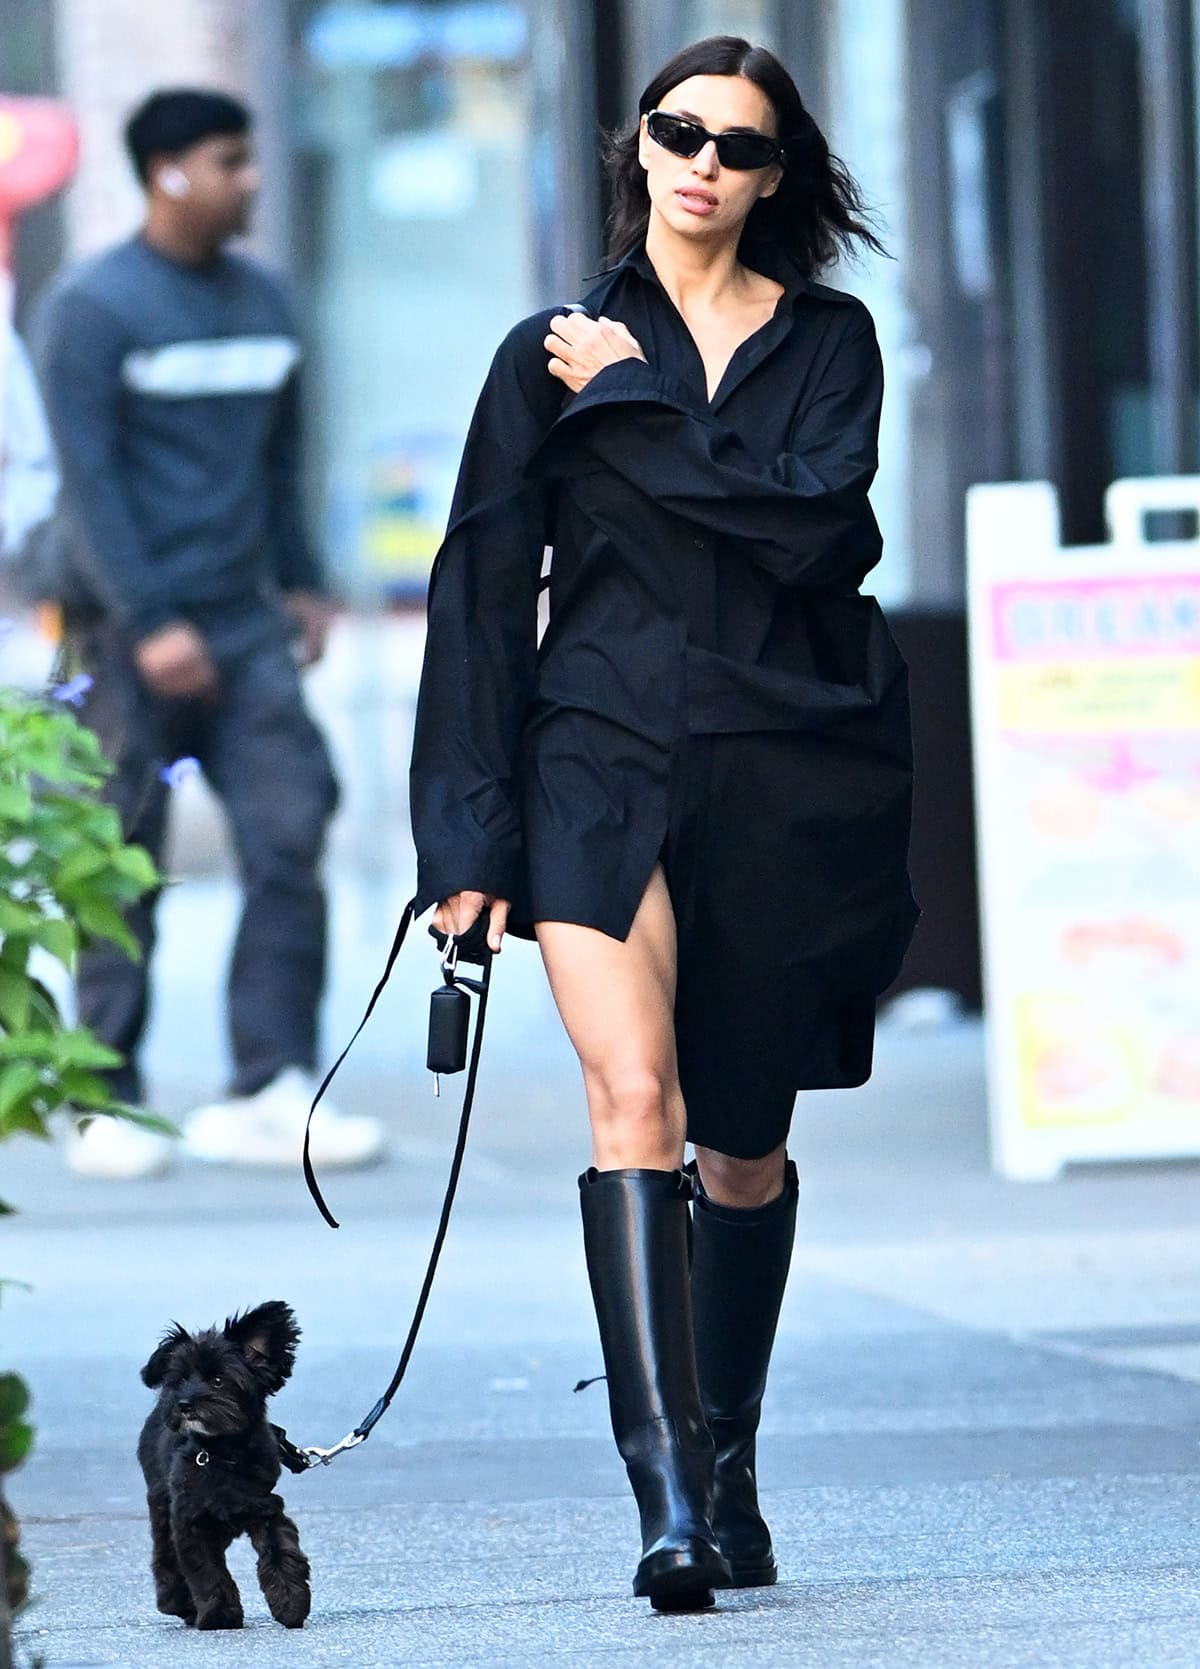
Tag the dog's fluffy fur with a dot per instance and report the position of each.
(211, 1461)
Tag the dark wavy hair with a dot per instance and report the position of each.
(816, 213)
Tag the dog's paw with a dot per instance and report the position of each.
(220, 1616)
(178, 1605)
(173, 1597)
(292, 1609)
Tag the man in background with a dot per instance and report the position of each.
(169, 370)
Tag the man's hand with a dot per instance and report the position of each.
(455, 915)
(175, 663)
(579, 347)
(314, 614)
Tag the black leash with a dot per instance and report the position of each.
(470, 946)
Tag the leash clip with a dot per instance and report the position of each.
(314, 1456)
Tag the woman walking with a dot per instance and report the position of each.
(696, 791)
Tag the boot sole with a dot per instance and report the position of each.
(679, 1582)
(760, 1576)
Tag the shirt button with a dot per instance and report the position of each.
(699, 544)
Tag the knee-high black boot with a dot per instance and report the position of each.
(740, 1265)
(635, 1233)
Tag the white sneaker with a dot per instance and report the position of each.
(267, 1129)
(120, 1152)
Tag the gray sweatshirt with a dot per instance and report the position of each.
(171, 393)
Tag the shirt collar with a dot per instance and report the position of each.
(764, 256)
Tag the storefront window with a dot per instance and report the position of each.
(753, 19)
(847, 57)
(414, 192)
(447, 184)
(866, 127)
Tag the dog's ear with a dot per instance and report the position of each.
(267, 1337)
(155, 1369)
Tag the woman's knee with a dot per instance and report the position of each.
(637, 1098)
(744, 1183)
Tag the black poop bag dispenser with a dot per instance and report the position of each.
(449, 1014)
(450, 1004)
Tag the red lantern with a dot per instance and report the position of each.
(39, 146)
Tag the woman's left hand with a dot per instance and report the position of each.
(579, 347)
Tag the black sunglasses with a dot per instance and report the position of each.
(734, 150)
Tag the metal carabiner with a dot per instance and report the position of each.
(322, 1457)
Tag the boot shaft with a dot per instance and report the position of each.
(635, 1234)
(739, 1271)
(740, 1263)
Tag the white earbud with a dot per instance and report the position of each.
(174, 182)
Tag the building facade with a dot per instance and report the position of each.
(432, 173)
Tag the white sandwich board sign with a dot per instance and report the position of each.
(1085, 693)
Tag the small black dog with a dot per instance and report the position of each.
(211, 1461)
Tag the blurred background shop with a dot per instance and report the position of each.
(431, 173)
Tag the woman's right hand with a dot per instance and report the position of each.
(579, 347)
(460, 912)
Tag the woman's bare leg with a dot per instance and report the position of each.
(617, 1001)
(742, 1183)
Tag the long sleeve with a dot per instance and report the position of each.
(481, 648)
(805, 517)
(80, 357)
(296, 564)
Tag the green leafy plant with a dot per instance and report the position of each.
(66, 878)
(16, 1440)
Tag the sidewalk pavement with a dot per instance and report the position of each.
(979, 1449)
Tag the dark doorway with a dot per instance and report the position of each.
(1099, 103)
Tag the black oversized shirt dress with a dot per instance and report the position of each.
(711, 691)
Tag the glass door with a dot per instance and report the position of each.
(414, 211)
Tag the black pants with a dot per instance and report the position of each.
(268, 765)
